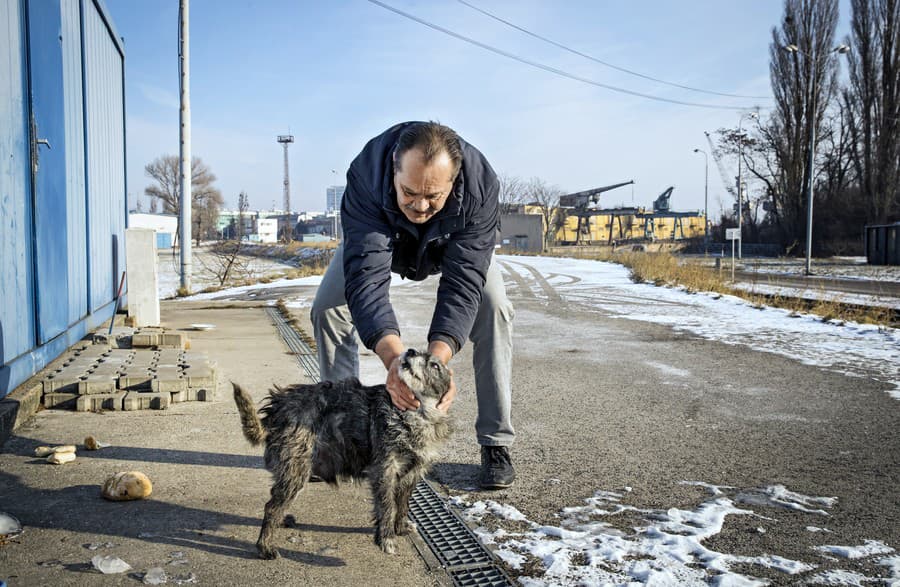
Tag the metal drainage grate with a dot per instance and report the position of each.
(307, 358)
(456, 547)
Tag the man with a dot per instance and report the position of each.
(421, 201)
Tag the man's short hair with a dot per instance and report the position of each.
(432, 138)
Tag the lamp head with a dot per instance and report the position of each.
(791, 48)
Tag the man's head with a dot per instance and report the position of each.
(426, 162)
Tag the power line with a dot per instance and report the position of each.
(601, 62)
(550, 69)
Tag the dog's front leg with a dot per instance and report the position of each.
(384, 492)
(405, 487)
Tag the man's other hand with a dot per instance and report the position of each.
(400, 394)
(448, 398)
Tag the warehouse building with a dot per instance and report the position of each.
(62, 178)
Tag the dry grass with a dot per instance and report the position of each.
(294, 323)
(664, 269)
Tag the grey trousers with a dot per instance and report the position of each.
(491, 338)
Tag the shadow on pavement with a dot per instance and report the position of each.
(81, 509)
(458, 476)
(25, 447)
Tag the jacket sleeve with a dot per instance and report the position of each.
(367, 263)
(464, 272)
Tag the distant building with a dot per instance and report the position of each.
(165, 225)
(267, 229)
(333, 195)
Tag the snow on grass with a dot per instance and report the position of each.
(667, 549)
(313, 280)
(819, 295)
(853, 349)
(871, 547)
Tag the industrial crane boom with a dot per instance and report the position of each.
(581, 199)
(729, 185)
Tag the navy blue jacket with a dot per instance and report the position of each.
(378, 239)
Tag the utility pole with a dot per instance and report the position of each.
(286, 140)
(705, 200)
(185, 143)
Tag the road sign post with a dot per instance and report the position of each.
(732, 234)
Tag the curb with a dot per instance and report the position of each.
(18, 407)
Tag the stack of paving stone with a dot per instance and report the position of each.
(97, 377)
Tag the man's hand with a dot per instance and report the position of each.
(390, 350)
(447, 400)
(400, 394)
(444, 353)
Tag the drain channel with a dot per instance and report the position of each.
(307, 357)
(456, 547)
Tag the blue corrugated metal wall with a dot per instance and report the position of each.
(62, 178)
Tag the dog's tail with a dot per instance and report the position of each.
(253, 429)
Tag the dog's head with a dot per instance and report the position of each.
(425, 375)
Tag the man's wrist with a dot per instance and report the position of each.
(389, 348)
(441, 350)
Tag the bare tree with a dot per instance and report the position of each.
(539, 193)
(512, 192)
(206, 200)
(243, 206)
(873, 104)
(803, 82)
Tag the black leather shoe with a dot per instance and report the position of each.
(496, 468)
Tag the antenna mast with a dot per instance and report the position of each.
(286, 140)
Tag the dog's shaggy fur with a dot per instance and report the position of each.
(344, 430)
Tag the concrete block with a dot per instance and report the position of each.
(197, 377)
(135, 379)
(144, 339)
(96, 384)
(101, 401)
(60, 400)
(170, 384)
(120, 338)
(146, 401)
(180, 396)
(142, 275)
(61, 383)
(172, 340)
(201, 394)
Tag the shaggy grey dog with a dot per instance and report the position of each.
(344, 430)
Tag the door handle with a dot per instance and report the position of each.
(43, 142)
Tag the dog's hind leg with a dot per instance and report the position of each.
(293, 460)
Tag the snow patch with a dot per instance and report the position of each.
(667, 549)
(871, 547)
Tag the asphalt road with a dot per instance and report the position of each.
(602, 403)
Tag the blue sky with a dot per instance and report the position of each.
(337, 73)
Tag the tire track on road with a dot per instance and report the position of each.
(521, 284)
(548, 289)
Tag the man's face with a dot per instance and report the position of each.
(422, 190)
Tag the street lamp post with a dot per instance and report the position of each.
(811, 100)
(740, 182)
(705, 200)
